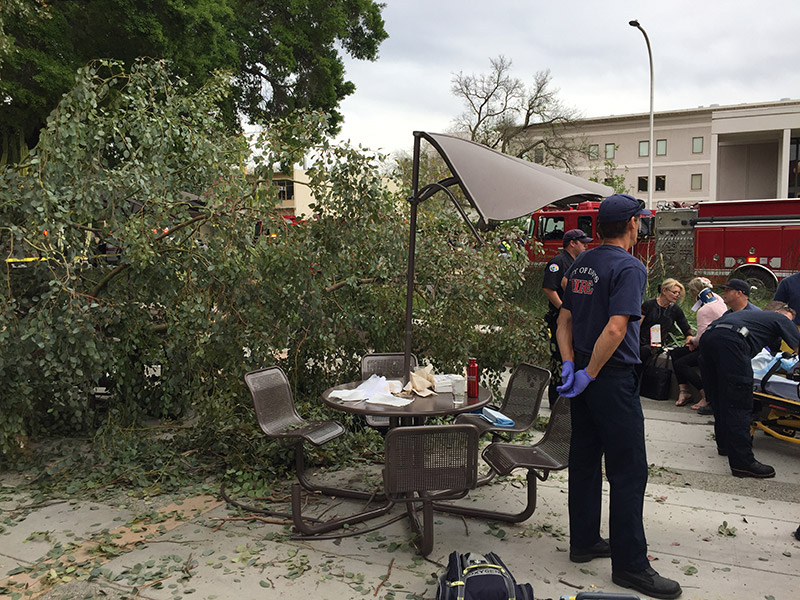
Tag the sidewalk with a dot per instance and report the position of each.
(719, 536)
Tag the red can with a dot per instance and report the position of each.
(472, 378)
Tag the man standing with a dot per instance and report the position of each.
(598, 334)
(574, 242)
(736, 294)
(789, 291)
(726, 348)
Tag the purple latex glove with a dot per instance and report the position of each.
(582, 380)
(567, 374)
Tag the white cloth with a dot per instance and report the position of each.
(389, 400)
(374, 386)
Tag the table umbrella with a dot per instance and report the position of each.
(497, 186)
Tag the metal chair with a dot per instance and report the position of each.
(551, 453)
(278, 418)
(428, 463)
(390, 365)
(521, 402)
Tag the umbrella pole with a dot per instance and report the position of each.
(412, 245)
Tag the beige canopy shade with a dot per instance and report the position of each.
(499, 187)
(502, 187)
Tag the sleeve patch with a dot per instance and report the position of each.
(554, 268)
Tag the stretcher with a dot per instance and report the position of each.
(776, 405)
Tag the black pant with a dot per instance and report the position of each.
(607, 419)
(728, 378)
(686, 364)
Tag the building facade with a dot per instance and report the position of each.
(712, 153)
(294, 195)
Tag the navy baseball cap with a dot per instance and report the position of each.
(578, 235)
(620, 207)
(738, 285)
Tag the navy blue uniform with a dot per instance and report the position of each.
(554, 272)
(607, 417)
(789, 291)
(726, 348)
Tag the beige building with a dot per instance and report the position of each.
(294, 195)
(709, 153)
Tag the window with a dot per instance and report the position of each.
(551, 228)
(644, 148)
(285, 190)
(594, 151)
(647, 227)
(697, 181)
(610, 150)
(661, 147)
(538, 155)
(585, 224)
(697, 145)
(661, 183)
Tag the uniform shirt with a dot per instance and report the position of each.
(604, 282)
(748, 306)
(764, 328)
(789, 291)
(555, 270)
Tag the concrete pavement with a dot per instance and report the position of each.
(720, 536)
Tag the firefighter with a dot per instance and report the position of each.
(726, 348)
(598, 335)
(573, 243)
(736, 294)
(789, 291)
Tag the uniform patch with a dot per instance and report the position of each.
(554, 268)
(582, 286)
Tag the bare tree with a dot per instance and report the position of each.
(528, 122)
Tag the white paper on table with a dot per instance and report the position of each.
(389, 400)
(348, 395)
(376, 384)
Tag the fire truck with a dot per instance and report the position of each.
(547, 227)
(754, 240)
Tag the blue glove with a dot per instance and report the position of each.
(567, 374)
(582, 380)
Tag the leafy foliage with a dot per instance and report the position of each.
(146, 278)
(282, 55)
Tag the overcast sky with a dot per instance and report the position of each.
(704, 52)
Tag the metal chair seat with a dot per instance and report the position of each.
(521, 402)
(428, 463)
(504, 458)
(276, 413)
(551, 453)
(278, 418)
(316, 432)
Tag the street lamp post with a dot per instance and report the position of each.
(651, 150)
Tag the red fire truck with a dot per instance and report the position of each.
(754, 240)
(547, 226)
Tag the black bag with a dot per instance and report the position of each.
(656, 380)
(476, 577)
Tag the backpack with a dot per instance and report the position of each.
(473, 576)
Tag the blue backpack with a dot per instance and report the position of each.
(477, 577)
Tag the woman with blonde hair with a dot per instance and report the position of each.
(709, 307)
(663, 310)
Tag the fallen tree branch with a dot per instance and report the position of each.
(385, 579)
